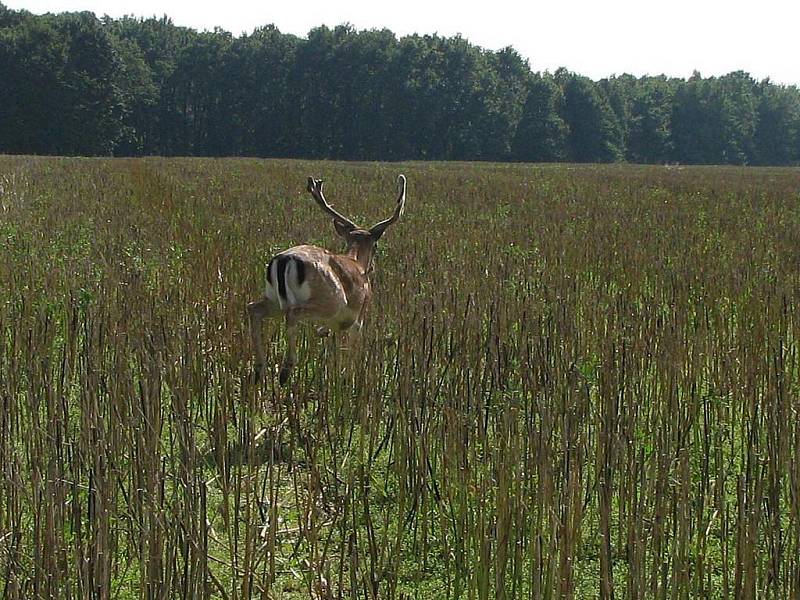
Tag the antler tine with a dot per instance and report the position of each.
(315, 189)
(379, 228)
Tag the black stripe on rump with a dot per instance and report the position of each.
(269, 272)
(301, 271)
(283, 261)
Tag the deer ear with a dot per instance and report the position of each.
(343, 229)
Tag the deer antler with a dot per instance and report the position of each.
(378, 229)
(315, 189)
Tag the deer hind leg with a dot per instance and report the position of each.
(256, 312)
(294, 315)
(290, 358)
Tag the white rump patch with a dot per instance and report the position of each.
(296, 294)
(272, 291)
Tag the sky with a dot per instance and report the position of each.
(597, 39)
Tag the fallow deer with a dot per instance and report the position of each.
(311, 283)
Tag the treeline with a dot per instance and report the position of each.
(73, 84)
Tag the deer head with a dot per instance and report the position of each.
(360, 242)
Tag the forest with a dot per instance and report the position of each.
(76, 84)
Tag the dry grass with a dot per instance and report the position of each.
(575, 381)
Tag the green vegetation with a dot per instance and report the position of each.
(575, 381)
(78, 85)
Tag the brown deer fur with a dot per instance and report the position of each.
(311, 283)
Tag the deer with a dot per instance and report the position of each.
(310, 283)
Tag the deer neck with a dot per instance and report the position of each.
(362, 257)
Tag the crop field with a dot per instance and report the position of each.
(574, 382)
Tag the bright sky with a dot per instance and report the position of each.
(597, 38)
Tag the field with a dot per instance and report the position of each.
(575, 381)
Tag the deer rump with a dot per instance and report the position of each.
(286, 281)
(316, 284)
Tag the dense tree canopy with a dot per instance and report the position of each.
(76, 84)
